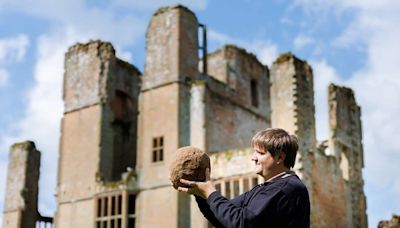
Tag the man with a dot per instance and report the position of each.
(281, 201)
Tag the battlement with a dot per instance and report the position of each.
(165, 9)
(171, 47)
(287, 56)
(93, 73)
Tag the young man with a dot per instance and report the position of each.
(281, 201)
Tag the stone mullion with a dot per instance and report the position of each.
(124, 209)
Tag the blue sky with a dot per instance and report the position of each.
(352, 43)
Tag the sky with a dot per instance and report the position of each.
(352, 43)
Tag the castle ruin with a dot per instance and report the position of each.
(120, 127)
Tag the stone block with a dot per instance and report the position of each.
(189, 163)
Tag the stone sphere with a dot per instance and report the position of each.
(188, 163)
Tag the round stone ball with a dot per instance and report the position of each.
(189, 163)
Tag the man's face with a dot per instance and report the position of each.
(265, 164)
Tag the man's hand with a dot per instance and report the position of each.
(202, 189)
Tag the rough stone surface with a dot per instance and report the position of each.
(392, 223)
(231, 163)
(20, 204)
(93, 73)
(99, 125)
(171, 47)
(171, 63)
(235, 68)
(189, 163)
(345, 143)
(292, 105)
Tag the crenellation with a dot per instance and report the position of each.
(345, 142)
(85, 85)
(171, 47)
(101, 102)
(292, 105)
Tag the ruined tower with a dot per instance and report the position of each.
(345, 141)
(164, 119)
(98, 132)
(292, 104)
(20, 204)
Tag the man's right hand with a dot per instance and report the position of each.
(202, 189)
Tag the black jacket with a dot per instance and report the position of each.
(282, 202)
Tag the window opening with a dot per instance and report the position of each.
(245, 185)
(235, 188)
(115, 210)
(254, 92)
(254, 181)
(158, 149)
(228, 189)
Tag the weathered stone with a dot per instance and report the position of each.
(189, 163)
(345, 144)
(99, 129)
(393, 223)
(21, 201)
(292, 105)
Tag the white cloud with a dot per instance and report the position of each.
(13, 48)
(319, 7)
(218, 37)
(265, 50)
(107, 23)
(4, 75)
(324, 74)
(124, 55)
(302, 41)
(377, 86)
(377, 89)
(41, 121)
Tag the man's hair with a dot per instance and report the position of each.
(275, 141)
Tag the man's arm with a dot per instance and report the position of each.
(205, 210)
(228, 213)
(252, 215)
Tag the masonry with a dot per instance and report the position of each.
(120, 127)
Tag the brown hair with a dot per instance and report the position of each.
(275, 141)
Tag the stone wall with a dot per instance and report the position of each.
(230, 126)
(20, 203)
(171, 47)
(99, 125)
(236, 109)
(237, 69)
(292, 105)
(329, 191)
(171, 63)
(394, 222)
(345, 142)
